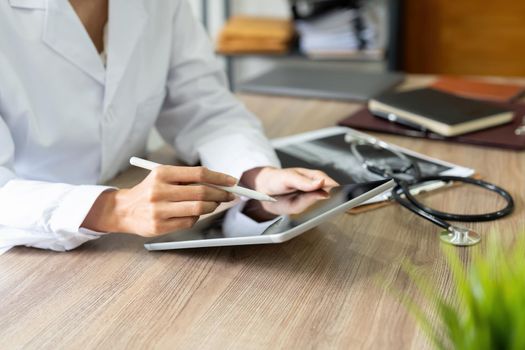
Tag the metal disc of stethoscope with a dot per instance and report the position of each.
(460, 236)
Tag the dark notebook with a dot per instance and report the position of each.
(439, 112)
(503, 136)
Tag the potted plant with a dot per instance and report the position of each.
(487, 309)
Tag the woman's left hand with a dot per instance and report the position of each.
(274, 181)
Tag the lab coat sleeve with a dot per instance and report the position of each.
(40, 214)
(238, 224)
(200, 117)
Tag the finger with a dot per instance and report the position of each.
(189, 175)
(317, 174)
(300, 182)
(310, 173)
(169, 210)
(314, 196)
(181, 193)
(329, 182)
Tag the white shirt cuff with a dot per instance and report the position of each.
(74, 207)
(11, 237)
(238, 224)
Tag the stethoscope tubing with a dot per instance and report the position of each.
(397, 193)
(401, 192)
(439, 217)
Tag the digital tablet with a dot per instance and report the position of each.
(255, 222)
(328, 150)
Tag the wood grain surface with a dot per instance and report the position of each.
(333, 287)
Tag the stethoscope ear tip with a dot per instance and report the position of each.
(460, 236)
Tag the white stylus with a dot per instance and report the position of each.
(238, 190)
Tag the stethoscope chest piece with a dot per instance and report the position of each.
(407, 174)
(460, 236)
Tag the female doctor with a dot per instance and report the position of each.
(82, 82)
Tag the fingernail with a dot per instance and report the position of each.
(232, 180)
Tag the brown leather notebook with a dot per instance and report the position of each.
(503, 136)
(477, 89)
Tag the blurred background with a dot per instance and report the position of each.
(466, 37)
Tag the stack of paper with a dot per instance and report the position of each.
(342, 32)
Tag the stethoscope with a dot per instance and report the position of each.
(408, 174)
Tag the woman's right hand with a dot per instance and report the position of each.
(168, 199)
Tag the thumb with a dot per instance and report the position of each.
(303, 183)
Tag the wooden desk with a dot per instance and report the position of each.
(329, 288)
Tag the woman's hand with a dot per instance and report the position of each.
(273, 181)
(165, 201)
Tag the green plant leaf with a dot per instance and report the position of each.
(485, 308)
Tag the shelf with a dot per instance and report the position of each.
(390, 56)
(297, 55)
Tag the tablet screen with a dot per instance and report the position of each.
(332, 155)
(251, 218)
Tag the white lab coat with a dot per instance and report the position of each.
(68, 124)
